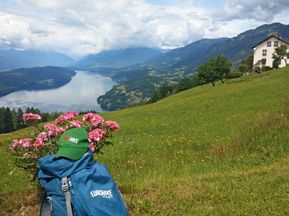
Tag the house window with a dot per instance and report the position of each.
(268, 43)
(275, 43)
(263, 62)
(264, 52)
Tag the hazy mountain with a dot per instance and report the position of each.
(118, 58)
(12, 59)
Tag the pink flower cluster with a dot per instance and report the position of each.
(45, 142)
(66, 116)
(94, 119)
(74, 124)
(23, 143)
(40, 140)
(53, 130)
(95, 135)
(30, 117)
(112, 125)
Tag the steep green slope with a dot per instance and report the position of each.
(205, 151)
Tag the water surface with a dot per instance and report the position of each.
(80, 94)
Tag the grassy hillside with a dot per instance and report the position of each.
(205, 151)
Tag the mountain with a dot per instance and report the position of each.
(188, 58)
(188, 52)
(34, 79)
(205, 151)
(12, 59)
(118, 58)
(175, 64)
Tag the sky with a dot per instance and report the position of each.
(81, 27)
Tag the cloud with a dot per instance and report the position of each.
(38, 28)
(258, 10)
(78, 27)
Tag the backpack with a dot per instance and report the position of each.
(78, 188)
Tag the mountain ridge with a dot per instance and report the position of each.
(12, 59)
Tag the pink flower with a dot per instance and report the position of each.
(112, 125)
(93, 118)
(28, 155)
(59, 119)
(60, 130)
(30, 117)
(66, 116)
(96, 135)
(38, 143)
(14, 144)
(42, 136)
(70, 115)
(53, 130)
(25, 143)
(75, 123)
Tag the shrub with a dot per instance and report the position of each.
(266, 68)
(234, 74)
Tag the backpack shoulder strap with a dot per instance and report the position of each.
(45, 208)
(65, 184)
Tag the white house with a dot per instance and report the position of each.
(263, 51)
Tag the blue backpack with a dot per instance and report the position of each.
(78, 188)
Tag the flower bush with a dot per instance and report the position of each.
(43, 140)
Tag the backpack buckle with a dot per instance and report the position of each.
(65, 184)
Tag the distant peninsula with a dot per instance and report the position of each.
(37, 78)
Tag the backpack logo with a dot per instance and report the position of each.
(103, 193)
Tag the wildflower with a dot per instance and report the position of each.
(30, 117)
(53, 130)
(70, 115)
(42, 136)
(29, 155)
(96, 135)
(59, 120)
(25, 143)
(66, 116)
(14, 144)
(112, 125)
(74, 123)
(38, 143)
(93, 118)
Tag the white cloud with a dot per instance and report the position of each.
(259, 10)
(78, 27)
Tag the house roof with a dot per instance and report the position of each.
(269, 38)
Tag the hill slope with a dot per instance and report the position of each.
(207, 151)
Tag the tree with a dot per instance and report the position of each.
(246, 65)
(214, 70)
(280, 54)
(8, 121)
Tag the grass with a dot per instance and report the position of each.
(207, 151)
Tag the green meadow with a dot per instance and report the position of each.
(220, 150)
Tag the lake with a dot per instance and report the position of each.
(80, 94)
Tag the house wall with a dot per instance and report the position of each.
(258, 52)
